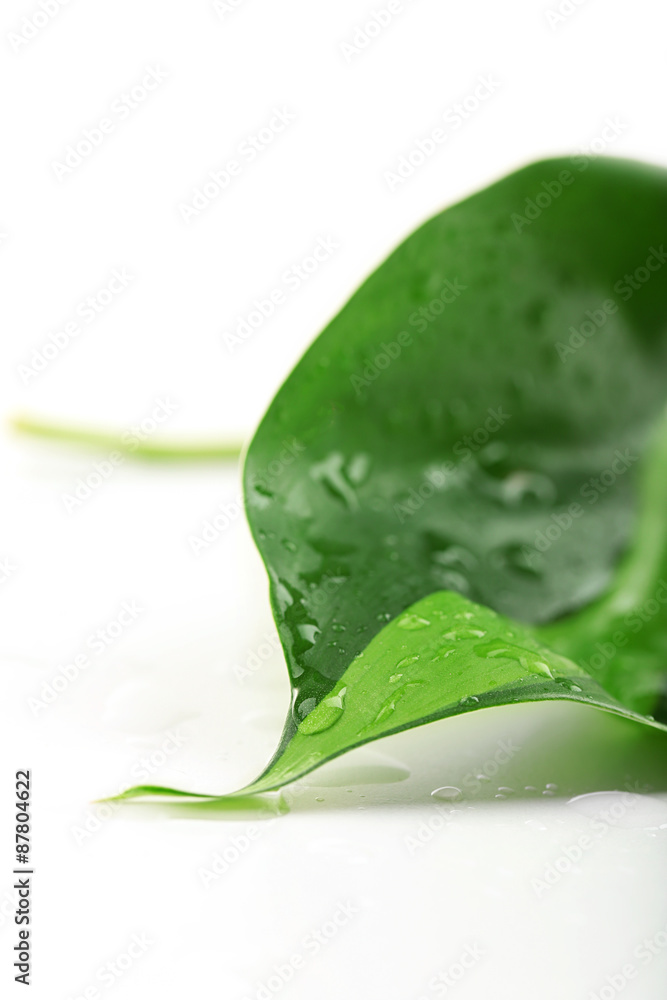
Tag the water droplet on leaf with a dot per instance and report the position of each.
(412, 622)
(465, 633)
(308, 632)
(529, 659)
(444, 652)
(448, 793)
(324, 715)
(566, 682)
(528, 487)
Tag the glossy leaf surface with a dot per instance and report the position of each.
(467, 436)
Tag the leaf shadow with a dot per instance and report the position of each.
(528, 754)
(522, 752)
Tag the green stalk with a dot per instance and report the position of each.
(639, 573)
(161, 450)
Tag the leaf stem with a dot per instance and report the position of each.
(127, 442)
(638, 575)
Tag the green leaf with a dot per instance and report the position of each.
(444, 656)
(464, 438)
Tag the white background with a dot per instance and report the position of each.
(423, 881)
